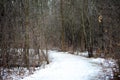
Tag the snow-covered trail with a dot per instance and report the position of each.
(67, 67)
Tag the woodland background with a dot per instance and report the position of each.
(28, 27)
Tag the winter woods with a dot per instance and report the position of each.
(29, 28)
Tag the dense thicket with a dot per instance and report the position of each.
(27, 27)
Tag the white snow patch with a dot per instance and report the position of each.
(65, 66)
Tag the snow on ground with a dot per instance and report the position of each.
(65, 66)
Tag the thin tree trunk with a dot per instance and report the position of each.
(83, 25)
(62, 22)
(27, 33)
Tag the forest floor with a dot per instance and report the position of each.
(64, 66)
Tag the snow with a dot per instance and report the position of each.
(64, 66)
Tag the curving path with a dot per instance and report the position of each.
(65, 66)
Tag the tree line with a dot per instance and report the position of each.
(28, 27)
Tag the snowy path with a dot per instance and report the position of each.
(67, 67)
